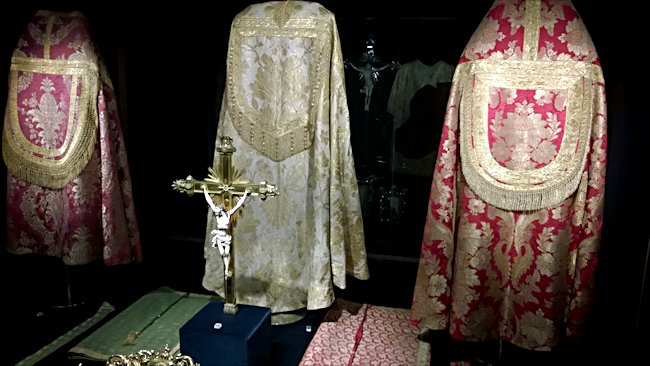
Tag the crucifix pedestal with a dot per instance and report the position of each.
(221, 187)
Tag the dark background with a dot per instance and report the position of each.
(167, 64)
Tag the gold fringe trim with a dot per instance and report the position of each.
(514, 200)
(535, 189)
(53, 168)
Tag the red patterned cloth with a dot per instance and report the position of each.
(513, 230)
(68, 185)
(354, 334)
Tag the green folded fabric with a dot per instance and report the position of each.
(44, 352)
(150, 323)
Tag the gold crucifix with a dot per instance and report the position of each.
(222, 185)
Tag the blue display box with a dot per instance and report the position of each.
(242, 339)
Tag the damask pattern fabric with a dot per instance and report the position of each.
(285, 109)
(356, 334)
(515, 211)
(68, 184)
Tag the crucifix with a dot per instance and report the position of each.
(223, 185)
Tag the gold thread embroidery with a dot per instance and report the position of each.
(525, 189)
(259, 118)
(53, 167)
(531, 29)
(48, 37)
(282, 13)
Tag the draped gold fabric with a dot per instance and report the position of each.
(285, 108)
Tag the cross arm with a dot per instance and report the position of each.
(190, 186)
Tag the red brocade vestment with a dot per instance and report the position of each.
(515, 211)
(68, 185)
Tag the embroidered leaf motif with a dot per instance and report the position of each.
(47, 118)
(283, 11)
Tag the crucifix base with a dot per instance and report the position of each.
(230, 309)
(212, 337)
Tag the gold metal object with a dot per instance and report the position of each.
(224, 183)
(151, 358)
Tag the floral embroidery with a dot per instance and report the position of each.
(524, 137)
